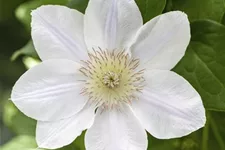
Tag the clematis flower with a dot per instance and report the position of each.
(108, 73)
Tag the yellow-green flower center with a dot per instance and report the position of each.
(113, 77)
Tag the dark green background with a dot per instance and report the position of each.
(203, 66)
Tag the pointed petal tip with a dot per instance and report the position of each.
(170, 107)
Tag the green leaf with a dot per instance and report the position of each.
(27, 50)
(204, 63)
(78, 144)
(189, 144)
(30, 62)
(169, 6)
(79, 5)
(6, 9)
(201, 9)
(14, 70)
(159, 144)
(56, 2)
(17, 121)
(223, 19)
(21, 143)
(213, 134)
(24, 10)
(217, 132)
(150, 8)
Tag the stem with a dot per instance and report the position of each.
(205, 135)
(217, 134)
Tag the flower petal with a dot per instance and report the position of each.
(116, 130)
(111, 24)
(57, 32)
(162, 41)
(50, 91)
(169, 106)
(52, 135)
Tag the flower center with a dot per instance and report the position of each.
(113, 78)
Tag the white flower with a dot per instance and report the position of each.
(107, 72)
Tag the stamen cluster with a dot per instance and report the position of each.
(113, 77)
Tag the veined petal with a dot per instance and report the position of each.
(57, 134)
(57, 33)
(50, 91)
(169, 106)
(162, 41)
(116, 130)
(111, 24)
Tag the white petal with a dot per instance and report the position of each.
(162, 41)
(111, 24)
(50, 91)
(116, 130)
(169, 106)
(57, 32)
(57, 134)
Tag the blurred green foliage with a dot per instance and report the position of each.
(203, 66)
